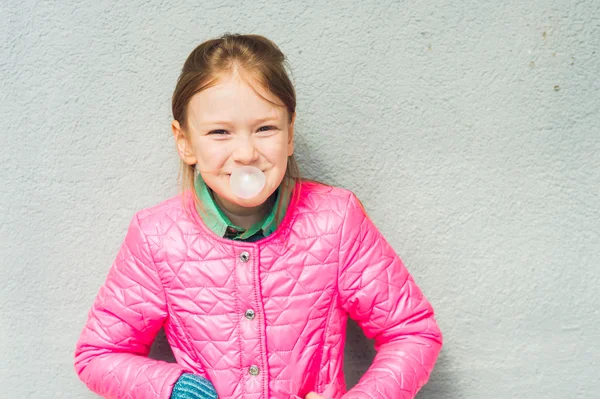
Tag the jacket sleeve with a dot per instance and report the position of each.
(129, 309)
(381, 296)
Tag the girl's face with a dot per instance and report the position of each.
(230, 125)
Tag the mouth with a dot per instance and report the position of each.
(262, 170)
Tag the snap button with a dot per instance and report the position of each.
(244, 256)
(254, 370)
(250, 314)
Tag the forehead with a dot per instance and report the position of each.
(235, 98)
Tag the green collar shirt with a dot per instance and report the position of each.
(215, 219)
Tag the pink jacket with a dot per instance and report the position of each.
(260, 320)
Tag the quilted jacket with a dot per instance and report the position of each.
(261, 319)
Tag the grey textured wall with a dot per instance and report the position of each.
(470, 130)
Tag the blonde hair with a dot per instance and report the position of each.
(253, 55)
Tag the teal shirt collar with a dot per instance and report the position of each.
(215, 219)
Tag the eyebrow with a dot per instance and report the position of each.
(256, 121)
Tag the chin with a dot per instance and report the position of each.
(253, 202)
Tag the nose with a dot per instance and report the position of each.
(245, 151)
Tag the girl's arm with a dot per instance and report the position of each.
(130, 308)
(378, 292)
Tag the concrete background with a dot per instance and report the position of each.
(470, 130)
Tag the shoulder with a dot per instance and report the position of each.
(324, 210)
(165, 213)
(314, 195)
(324, 193)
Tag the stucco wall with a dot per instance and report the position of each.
(470, 130)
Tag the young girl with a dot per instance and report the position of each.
(251, 270)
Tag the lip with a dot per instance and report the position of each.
(229, 174)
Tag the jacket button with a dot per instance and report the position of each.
(244, 256)
(250, 314)
(254, 370)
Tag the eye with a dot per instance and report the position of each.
(267, 128)
(218, 132)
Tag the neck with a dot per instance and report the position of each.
(243, 216)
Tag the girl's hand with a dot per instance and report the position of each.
(312, 395)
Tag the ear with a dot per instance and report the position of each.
(183, 146)
(290, 144)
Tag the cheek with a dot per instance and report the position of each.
(211, 154)
(275, 150)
